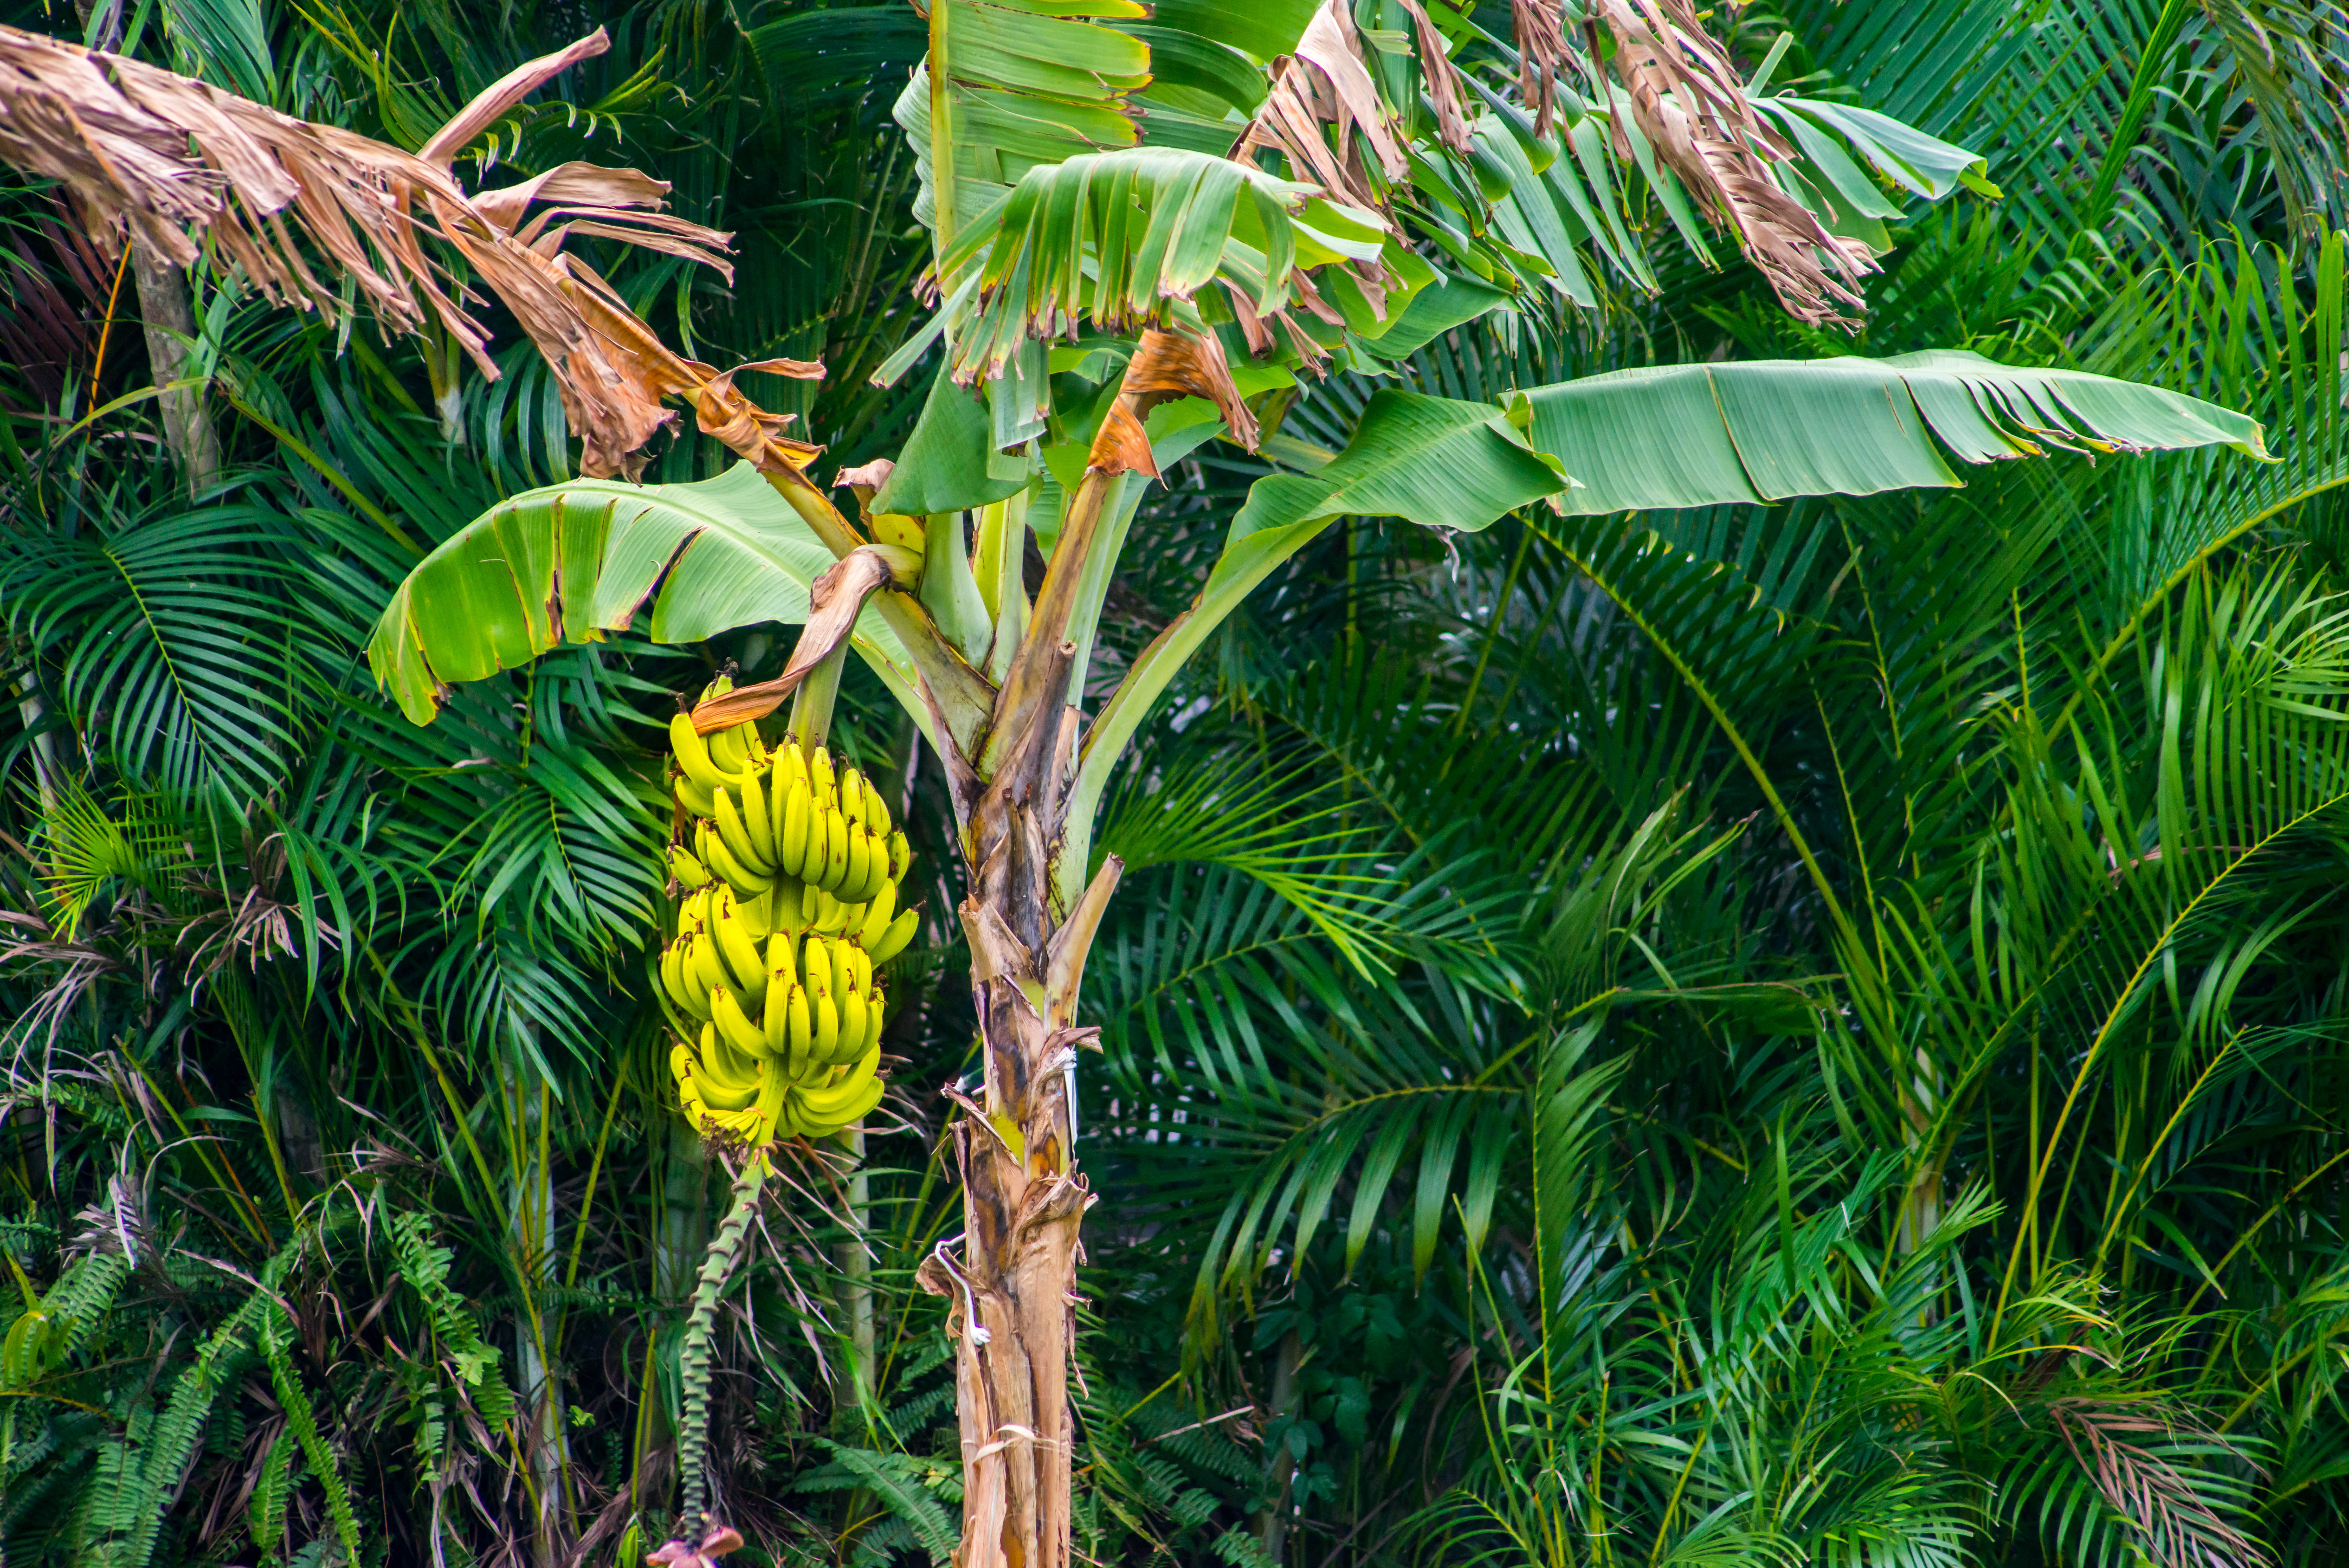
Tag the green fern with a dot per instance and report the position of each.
(281, 1472)
(276, 1330)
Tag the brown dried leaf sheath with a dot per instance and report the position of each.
(1170, 365)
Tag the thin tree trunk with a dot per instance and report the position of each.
(1280, 1466)
(31, 710)
(165, 310)
(169, 318)
(532, 1238)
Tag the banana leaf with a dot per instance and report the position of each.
(572, 561)
(1701, 435)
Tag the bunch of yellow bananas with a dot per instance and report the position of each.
(771, 975)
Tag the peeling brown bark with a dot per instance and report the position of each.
(169, 319)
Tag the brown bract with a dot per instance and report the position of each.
(835, 599)
(167, 155)
(703, 1554)
(176, 160)
(1689, 101)
(1326, 83)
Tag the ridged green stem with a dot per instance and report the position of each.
(717, 1264)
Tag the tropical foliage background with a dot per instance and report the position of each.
(1805, 1033)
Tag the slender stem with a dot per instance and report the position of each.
(856, 1265)
(1492, 630)
(693, 1356)
(811, 704)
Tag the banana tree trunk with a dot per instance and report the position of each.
(1013, 1289)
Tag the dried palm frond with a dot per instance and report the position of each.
(174, 160)
(1689, 102)
(2174, 1526)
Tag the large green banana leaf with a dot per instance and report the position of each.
(569, 562)
(1765, 430)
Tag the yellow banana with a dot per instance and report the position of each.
(859, 865)
(822, 779)
(774, 1022)
(790, 762)
(836, 866)
(722, 1058)
(687, 872)
(799, 1030)
(852, 1021)
(827, 1103)
(758, 915)
(894, 940)
(857, 1109)
(900, 856)
(716, 1100)
(731, 749)
(876, 1013)
(695, 758)
(812, 854)
(704, 970)
(793, 812)
(746, 883)
(852, 795)
(834, 917)
(877, 914)
(877, 810)
(758, 823)
(734, 1025)
(782, 959)
(825, 1016)
(693, 797)
(680, 1060)
(773, 1092)
(721, 1090)
(746, 966)
(738, 838)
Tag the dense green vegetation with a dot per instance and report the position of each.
(1800, 1033)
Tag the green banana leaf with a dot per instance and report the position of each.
(572, 561)
(1699, 435)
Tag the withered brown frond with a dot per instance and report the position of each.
(177, 160)
(1690, 103)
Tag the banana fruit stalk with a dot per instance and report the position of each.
(788, 869)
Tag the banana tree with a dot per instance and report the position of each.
(1151, 230)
